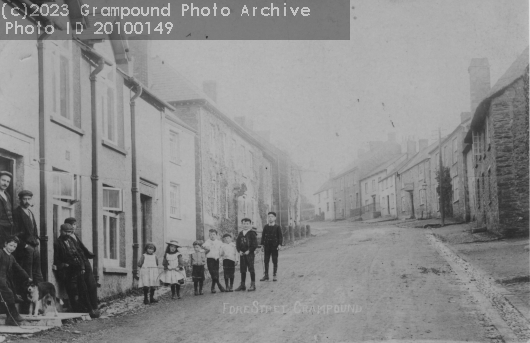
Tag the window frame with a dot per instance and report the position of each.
(455, 150)
(174, 147)
(106, 86)
(110, 262)
(174, 188)
(112, 209)
(58, 50)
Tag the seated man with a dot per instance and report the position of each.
(9, 268)
(70, 266)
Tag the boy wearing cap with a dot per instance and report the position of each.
(6, 211)
(271, 241)
(27, 253)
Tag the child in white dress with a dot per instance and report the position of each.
(173, 268)
(148, 264)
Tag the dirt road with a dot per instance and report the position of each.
(353, 283)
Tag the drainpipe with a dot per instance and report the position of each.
(42, 162)
(279, 190)
(95, 164)
(134, 189)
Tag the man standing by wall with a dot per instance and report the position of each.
(27, 253)
(6, 210)
(271, 241)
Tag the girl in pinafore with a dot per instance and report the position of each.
(198, 260)
(173, 266)
(148, 264)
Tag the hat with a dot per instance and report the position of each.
(25, 193)
(273, 213)
(70, 220)
(66, 227)
(5, 172)
(174, 242)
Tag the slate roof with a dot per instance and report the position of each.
(327, 185)
(419, 157)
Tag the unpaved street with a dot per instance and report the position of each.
(386, 283)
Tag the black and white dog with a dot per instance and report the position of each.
(42, 296)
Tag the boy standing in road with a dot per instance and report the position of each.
(212, 248)
(246, 244)
(271, 241)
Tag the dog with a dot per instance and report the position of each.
(42, 296)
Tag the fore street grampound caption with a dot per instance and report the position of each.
(132, 27)
(297, 308)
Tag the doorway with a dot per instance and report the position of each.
(7, 164)
(146, 204)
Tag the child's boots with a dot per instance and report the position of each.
(252, 287)
(146, 294)
(241, 287)
(152, 296)
(265, 277)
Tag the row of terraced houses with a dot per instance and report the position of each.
(487, 156)
(101, 131)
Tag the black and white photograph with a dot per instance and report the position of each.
(247, 171)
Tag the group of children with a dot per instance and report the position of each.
(208, 253)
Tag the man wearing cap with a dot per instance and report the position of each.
(27, 253)
(70, 266)
(88, 276)
(6, 211)
(271, 241)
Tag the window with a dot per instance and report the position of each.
(478, 192)
(487, 134)
(212, 139)
(477, 146)
(108, 106)
(455, 150)
(489, 185)
(351, 202)
(379, 183)
(227, 201)
(392, 200)
(61, 211)
(61, 79)
(233, 153)
(251, 160)
(391, 182)
(366, 187)
(403, 202)
(111, 238)
(327, 204)
(174, 200)
(64, 185)
(215, 197)
(112, 199)
(422, 197)
(174, 147)
(455, 185)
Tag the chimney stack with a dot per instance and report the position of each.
(423, 143)
(210, 88)
(464, 116)
(411, 148)
(479, 81)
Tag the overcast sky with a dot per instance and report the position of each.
(403, 69)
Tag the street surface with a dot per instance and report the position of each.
(352, 283)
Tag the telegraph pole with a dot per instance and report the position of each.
(442, 211)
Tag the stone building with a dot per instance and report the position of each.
(452, 157)
(323, 200)
(71, 135)
(413, 182)
(348, 195)
(498, 138)
(238, 172)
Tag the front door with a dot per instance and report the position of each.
(146, 212)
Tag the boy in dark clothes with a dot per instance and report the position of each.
(271, 241)
(246, 243)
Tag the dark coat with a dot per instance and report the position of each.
(25, 227)
(272, 236)
(65, 252)
(9, 270)
(247, 242)
(6, 217)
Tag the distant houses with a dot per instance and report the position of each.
(486, 156)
